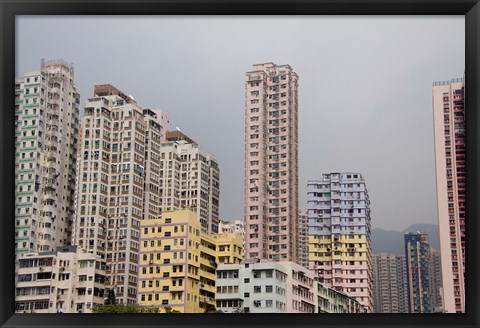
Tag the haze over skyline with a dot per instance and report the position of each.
(365, 89)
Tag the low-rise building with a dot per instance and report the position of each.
(256, 286)
(237, 226)
(68, 280)
(178, 262)
(332, 301)
(252, 286)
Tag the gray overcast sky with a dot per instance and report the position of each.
(365, 90)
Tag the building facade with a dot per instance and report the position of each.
(162, 115)
(302, 239)
(119, 176)
(178, 262)
(236, 226)
(46, 120)
(339, 235)
(332, 301)
(389, 283)
(436, 281)
(190, 179)
(417, 257)
(229, 227)
(256, 286)
(271, 162)
(449, 130)
(266, 287)
(67, 280)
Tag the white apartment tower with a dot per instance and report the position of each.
(119, 178)
(189, 179)
(46, 119)
(271, 162)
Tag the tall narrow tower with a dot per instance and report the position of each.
(417, 258)
(271, 162)
(449, 128)
(46, 119)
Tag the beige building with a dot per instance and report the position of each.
(68, 280)
(46, 120)
(119, 179)
(230, 227)
(189, 179)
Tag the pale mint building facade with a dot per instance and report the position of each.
(46, 121)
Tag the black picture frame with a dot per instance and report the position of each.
(11, 8)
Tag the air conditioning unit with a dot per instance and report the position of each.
(40, 268)
(62, 269)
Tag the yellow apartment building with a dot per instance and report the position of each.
(177, 265)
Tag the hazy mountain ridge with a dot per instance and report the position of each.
(391, 241)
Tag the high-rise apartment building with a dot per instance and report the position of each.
(178, 262)
(449, 129)
(162, 115)
(119, 177)
(389, 283)
(67, 280)
(189, 179)
(271, 162)
(46, 119)
(339, 242)
(302, 238)
(436, 281)
(417, 257)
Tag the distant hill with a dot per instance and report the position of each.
(391, 241)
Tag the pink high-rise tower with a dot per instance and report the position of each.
(271, 162)
(449, 125)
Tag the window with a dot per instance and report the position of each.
(257, 289)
